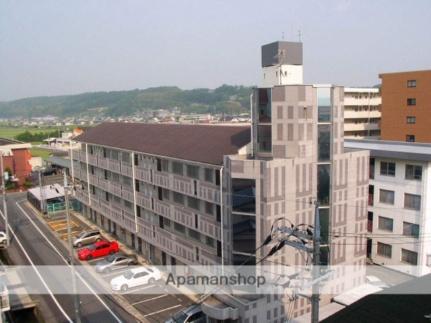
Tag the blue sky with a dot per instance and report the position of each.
(65, 47)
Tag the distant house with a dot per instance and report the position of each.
(16, 157)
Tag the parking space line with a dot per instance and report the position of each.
(150, 299)
(132, 291)
(163, 310)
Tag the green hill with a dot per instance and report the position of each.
(226, 98)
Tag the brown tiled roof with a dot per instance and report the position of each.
(200, 143)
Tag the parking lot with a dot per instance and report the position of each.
(155, 302)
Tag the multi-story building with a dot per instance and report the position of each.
(399, 204)
(188, 194)
(406, 101)
(362, 113)
(16, 159)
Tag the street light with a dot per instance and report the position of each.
(3, 177)
(72, 259)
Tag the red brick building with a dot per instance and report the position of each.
(16, 157)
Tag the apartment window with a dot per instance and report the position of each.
(219, 248)
(135, 159)
(384, 250)
(410, 229)
(387, 196)
(386, 224)
(218, 213)
(409, 257)
(193, 203)
(209, 208)
(387, 168)
(177, 168)
(165, 165)
(194, 235)
(209, 175)
(138, 211)
(411, 119)
(159, 165)
(411, 101)
(412, 201)
(411, 83)
(106, 196)
(243, 195)
(114, 154)
(125, 157)
(209, 241)
(165, 194)
(193, 171)
(160, 193)
(414, 172)
(410, 138)
(178, 198)
(179, 227)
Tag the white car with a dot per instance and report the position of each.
(135, 277)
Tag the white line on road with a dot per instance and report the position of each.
(38, 273)
(134, 290)
(163, 310)
(150, 299)
(64, 259)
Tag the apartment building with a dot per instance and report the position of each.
(362, 113)
(205, 194)
(406, 101)
(399, 209)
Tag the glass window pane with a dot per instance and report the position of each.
(264, 138)
(264, 105)
(323, 184)
(243, 195)
(324, 142)
(324, 104)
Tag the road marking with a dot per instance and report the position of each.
(150, 299)
(164, 310)
(38, 273)
(65, 261)
(135, 289)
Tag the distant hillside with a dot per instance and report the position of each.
(226, 98)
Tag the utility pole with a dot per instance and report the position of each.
(316, 266)
(72, 259)
(41, 190)
(3, 176)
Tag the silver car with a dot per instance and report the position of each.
(115, 261)
(87, 237)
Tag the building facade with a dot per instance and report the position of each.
(362, 113)
(399, 218)
(406, 102)
(16, 159)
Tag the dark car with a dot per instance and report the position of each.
(115, 261)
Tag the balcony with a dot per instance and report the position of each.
(143, 174)
(208, 193)
(161, 179)
(349, 101)
(114, 165)
(162, 208)
(361, 126)
(183, 185)
(126, 169)
(351, 114)
(143, 200)
(127, 194)
(92, 160)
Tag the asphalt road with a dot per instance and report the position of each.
(31, 236)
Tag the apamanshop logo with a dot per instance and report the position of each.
(233, 280)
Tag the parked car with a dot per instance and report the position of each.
(87, 237)
(115, 261)
(135, 277)
(3, 240)
(192, 314)
(98, 249)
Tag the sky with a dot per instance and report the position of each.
(66, 47)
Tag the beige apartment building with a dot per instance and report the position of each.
(195, 194)
(362, 112)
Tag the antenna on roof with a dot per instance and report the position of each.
(282, 35)
(299, 35)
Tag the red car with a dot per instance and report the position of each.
(98, 249)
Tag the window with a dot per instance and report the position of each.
(387, 197)
(384, 250)
(243, 195)
(409, 257)
(178, 198)
(179, 227)
(386, 224)
(209, 208)
(411, 83)
(193, 171)
(324, 142)
(177, 168)
(411, 101)
(209, 241)
(165, 165)
(193, 203)
(411, 119)
(209, 175)
(412, 201)
(387, 168)
(410, 229)
(194, 235)
(414, 172)
(410, 138)
(323, 184)
(324, 104)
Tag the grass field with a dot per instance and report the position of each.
(40, 152)
(11, 132)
